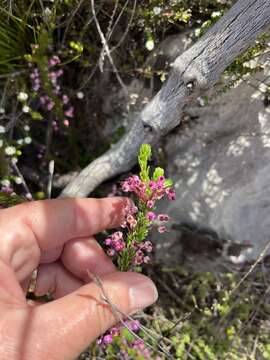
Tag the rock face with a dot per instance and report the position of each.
(219, 160)
(220, 163)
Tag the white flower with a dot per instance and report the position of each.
(1, 143)
(22, 96)
(26, 127)
(26, 109)
(20, 141)
(18, 179)
(201, 101)
(27, 140)
(2, 129)
(197, 32)
(80, 95)
(47, 12)
(157, 10)
(2, 110)
(5, 182)
(252, 64)
(216, 14)
(10, 150)
(150, 44)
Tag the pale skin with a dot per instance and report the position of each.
(57, 238)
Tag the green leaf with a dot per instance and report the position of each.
(127, 335)
(144, 156)
(157, 173)
(145, 151)
(168, 182)
(8, 200)
(36, 115)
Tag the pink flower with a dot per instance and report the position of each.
(108, 241)
(150, 216)
(170, 193)
(50, 105)
(150, 204)
(133, 209)
(133, 325)
(152, 185)
(146, 259)
(138, 259)
(141, 187)
(43, 99)
(60, 72)
(66, 122)
(65, 99)
(107, 339)
(52, 75)
(56, 90)
(148, 246)
(162, 229)
(115, 331)
(119, 245)
(125, 186)
(131, 221)
(111, 252)
(7, 189)
(135, 245)
(36, 87)
(163, 217)
(70, 112)
(118, 235)
(54, 61)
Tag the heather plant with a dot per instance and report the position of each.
(130, 246)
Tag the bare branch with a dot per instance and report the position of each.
(106, 48)
(195, 70)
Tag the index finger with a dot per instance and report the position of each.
(53, 222)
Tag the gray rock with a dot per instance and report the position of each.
(220, 163)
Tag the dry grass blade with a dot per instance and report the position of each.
(119, 315)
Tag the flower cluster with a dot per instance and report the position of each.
(6, 186)
(50, 94)
(120, 334)
(115, 331)
(157, 188)
(149, 195)
(135, 250)
(115, 243)
(141, 252)
(141, 350)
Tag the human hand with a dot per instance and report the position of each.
(56, 236)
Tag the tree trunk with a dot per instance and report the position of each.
(196, 70)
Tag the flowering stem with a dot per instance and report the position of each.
(134, 250)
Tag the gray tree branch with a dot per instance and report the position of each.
(194, 71)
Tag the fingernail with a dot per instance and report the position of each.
(142, 293)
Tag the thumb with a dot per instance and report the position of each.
(65, 327)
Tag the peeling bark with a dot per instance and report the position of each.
(196, 70)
